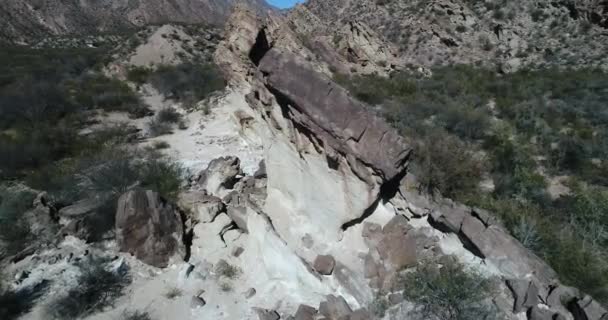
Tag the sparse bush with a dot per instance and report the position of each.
(139, 75)
(449, 293)
(161, 145)
(173, 293)
(168, 115)
(158, 128)
(443, 163)
(379, 306)
(187, 82)
(226, 286)
(97, 288)
(228, 271)
(14, 304)
(162, 176)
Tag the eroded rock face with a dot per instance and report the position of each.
(327, 110)
(149, 228)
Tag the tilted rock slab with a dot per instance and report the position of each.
(330, 113)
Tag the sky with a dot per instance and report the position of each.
(284, 3)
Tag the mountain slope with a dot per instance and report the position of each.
(507, 33)
(21, 21)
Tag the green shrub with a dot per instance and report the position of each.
(168, 115)
(162, 176)
(188, 82)
(449, 293)
(158, 128)
(97, 288)
(173, 293)
(444, 163)
(139, 75)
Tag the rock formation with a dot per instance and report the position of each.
(300, 202)
(149, 228)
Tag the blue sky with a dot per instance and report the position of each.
(284, 3)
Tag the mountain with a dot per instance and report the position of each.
(23, 20)
(504, 33)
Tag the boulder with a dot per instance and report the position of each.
(360, 314)
(398, 224)
(204, 208)
(587, 309)
(525, 293)
(221, 174)
(305, 312)
(537, 313)
(334, 307)
(559, 296)
(324, 264)
(238, 215)
(398, 250)
(237, 251)
(149, 228)
(250, 293)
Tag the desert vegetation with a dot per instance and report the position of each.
(471, 126)
(449, 292)
(97, 288)
(186, 82)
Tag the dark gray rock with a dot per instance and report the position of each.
(221, 174)
(490, 241)
(81, 208)
(360, 314)
(525, 293)
(237, 251)
(305, 312)
(197, 302)
(324, 264)
(250, 293)
(561, 295)
(398, 250)
(334, 307)
(587, 309)
(265, 314)
(149, 228)
(536, 313)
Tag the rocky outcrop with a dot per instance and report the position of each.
(220, 175)
(327, 111)
(149, 228)
(488, 240)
